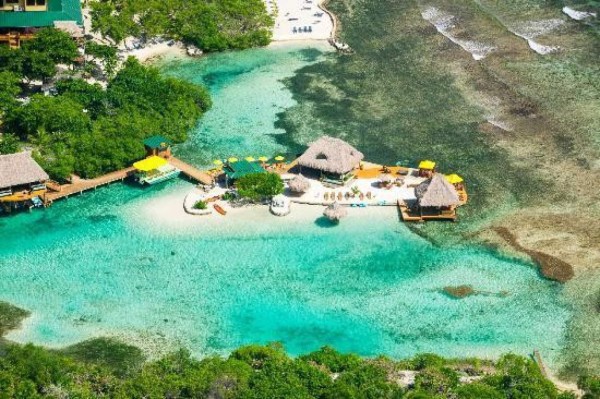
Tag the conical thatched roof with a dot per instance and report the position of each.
(436, 192)
(335, 212)
(20, 168)
(299, 184)
(332, 155)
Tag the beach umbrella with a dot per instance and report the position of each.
(454, 178)
(217, 162)
(232, 159)
(263, 159)
(279, 158)
(335, 212)
(250, 159)
(299, 184)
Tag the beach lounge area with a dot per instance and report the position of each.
(331, 172)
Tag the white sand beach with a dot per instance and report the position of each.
(299, 20)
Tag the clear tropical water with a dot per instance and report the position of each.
(248, 93)
(113, 262)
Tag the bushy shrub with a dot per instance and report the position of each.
(259, 186)
(200, 205)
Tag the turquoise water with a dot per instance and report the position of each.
(101, 264)
(248, 93)
(122, 261)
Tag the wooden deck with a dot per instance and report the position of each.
(407, 216)
(65, 190)
(191, 171)
(58, 191)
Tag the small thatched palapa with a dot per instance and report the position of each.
(436, 192)
(331, 155)
(20, 169)
(335, 212)
(299, 184)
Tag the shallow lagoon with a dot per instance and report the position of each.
(102, 264)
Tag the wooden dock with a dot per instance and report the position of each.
(407, 216)
(78, 187)
(192, 172)
(58, 191)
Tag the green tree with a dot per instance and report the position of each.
(259, 186)
(91, 96)
(436, 381)
(54, 43)
(9, 143)
(37, 65)
(520, 378)
(590, 385)
(334, 361)
(477, 391)
(106, 54)
(9, 89)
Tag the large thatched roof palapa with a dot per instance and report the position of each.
(436, 192)
(299, 184)
(20, 168)
(332, 155)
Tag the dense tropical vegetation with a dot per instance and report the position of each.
(209, 25)
(259, 186)
(84, 128)
(104, 368)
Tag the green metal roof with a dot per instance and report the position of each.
(157, 142)
(58, 10)
(242, 168)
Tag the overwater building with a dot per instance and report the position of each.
(22, 182)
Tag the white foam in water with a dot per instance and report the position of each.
(500, 124)
(532, 29)
(577, 15)
(444, 23)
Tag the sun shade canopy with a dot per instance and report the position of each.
(150, 163)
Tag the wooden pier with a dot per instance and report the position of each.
(192, 172)
(78, 187)
(408, 216)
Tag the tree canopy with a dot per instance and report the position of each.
(86, 129)
(209, 25)
(259, 186)
(107, 368)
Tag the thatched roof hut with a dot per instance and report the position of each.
(335, 212)
(20, 169)
(331, 155)
(436, 192)
(299, 184)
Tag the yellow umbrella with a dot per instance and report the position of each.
(250, 159)
(279, 158)
(217, 162)
(232, 159)
(263, 159)
(454, 178)
(427, 165)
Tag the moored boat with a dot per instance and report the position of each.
(219, 209)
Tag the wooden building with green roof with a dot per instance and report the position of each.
(19, 19)
(158, 145)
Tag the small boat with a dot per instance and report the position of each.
(219, 209)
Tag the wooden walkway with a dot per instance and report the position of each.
(63, 191)
(192, 172)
